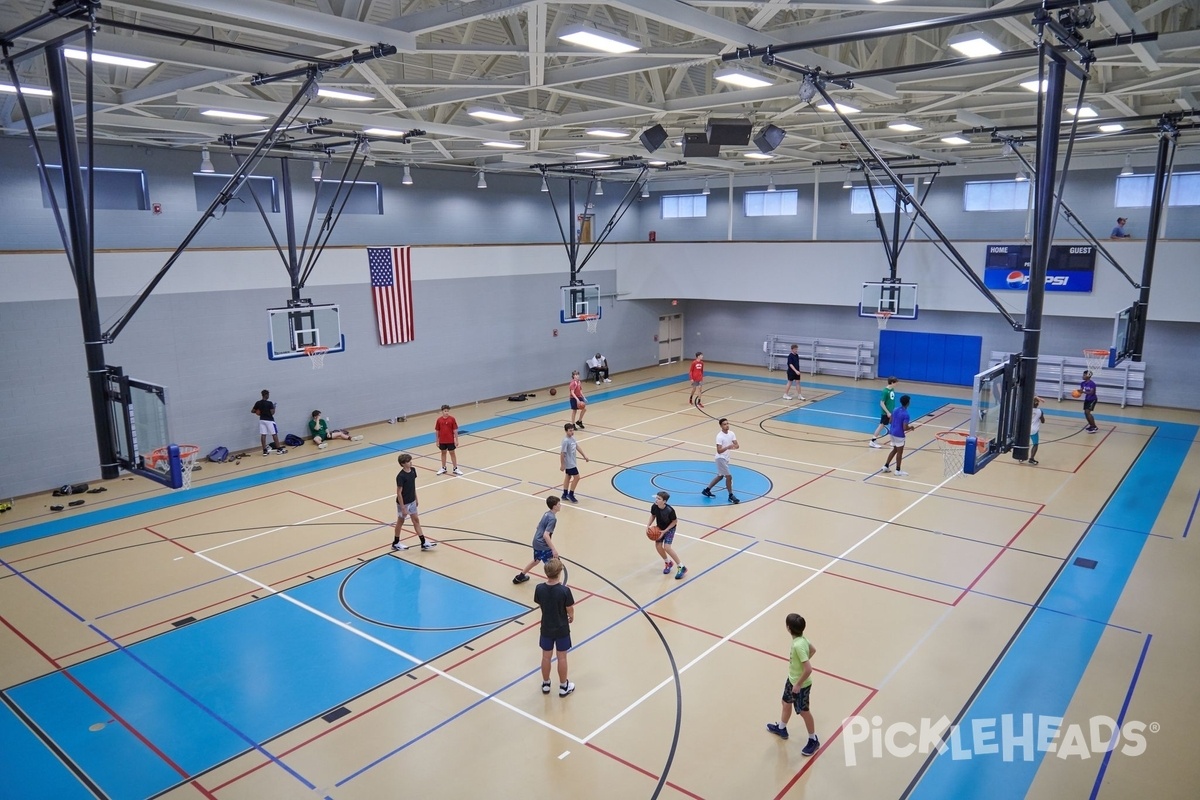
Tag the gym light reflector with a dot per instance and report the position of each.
(972, 44)
(382, 132)
(493, 115)
(1083, 112)
(237, 115)
(505, 145)
(1111, 127)
(904, 126)
(105, 58)
(736, 77)
(342, 94)
(842, 107)
(757, 155)
(594, 39)
(1032, 85)
(608, 133)
(32, 91)
(955, 140)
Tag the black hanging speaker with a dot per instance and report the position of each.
(696, 145)
(730, 131)
(653, 138)
(769, 138)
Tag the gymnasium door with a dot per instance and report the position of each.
(670, 338)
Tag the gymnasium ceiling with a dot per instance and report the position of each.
(506, 54)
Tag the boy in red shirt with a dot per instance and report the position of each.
(578, 401)
(696, 373)
(447, 439)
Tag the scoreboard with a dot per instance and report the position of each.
(1070, 268)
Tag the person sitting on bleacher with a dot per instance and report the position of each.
(598, 368)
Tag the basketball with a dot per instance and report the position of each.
(553, 390)
(1076, 393)
(653, 533)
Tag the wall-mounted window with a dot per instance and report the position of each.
(885, 196)
(366, 197)
(996, 196)
(678, 206)
(1135, 191)
(208, 184)
(116, 189)
(780, 203)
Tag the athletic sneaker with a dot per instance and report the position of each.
(280, 451)
(902, 473)
(597, 383)
(699, 404)
(876, 445)
(1092, 429)
(398, 546)
(545, 687)
(266, 452)
(608, 380)
(787, 397)
(733, 499)
(778, 730)
(886, 468)
(441, 471)
(667, 568)
(356, 438)
(801, 397)
(682, 571)
(811, 747)
(579, 425)
(458, 471)
(707, 493)
(322, 445)
(428, 544)
(1033, 462)
(520, 578)
(565, 689)
(569, 497)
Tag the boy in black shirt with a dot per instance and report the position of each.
(406, 503)
(265, 410)
(558, 612)
(663, 517)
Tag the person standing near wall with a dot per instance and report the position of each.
(264, 409)
(793, 374)
(696, 374)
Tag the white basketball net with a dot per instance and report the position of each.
(187, 460)
(954, 449)
(1096, 359)
(592, 320)
(316, 355)
(882, 318)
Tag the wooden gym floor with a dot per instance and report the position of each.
(255, 636)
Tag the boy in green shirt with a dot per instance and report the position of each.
(799, 683)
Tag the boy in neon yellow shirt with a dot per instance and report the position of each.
(799, 683)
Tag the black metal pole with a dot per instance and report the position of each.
(573, 245)
(1165, 142)
(894, 250)
(1043, 231)
(289, 221)
(82, 257)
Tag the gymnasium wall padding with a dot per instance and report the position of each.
(930, 357)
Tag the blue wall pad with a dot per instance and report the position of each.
(685, 479)
(930, 357)
(190, 695)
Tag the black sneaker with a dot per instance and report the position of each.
(579, 425)
(521, 577)
(428, 544)
(707, 493)
(778, 730)
(545, 687)
(565, 689)
(266, 452)
(733, 499)
(811, 747)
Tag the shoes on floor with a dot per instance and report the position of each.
(876, 445)
(458, 471)
(398, 546)
(545, 687)
(356, 438)
(778, 730)
(322, 445)
(707, 493)
(520, 578)
(441, 471)
(597, 383)
(699, 404)
(428, 544)
(1092, 429)
(787, 397)
(902, 473)
(608, 380)
(266, 452)
(682, 571)
(565, 689)
(569, 497)
(280, 451)
(733, 499)
(667, 568)
(886, 468)
(810, 748)
(579, 425)
(1033, 462)
(801, 397)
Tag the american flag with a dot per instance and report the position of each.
(391, 290)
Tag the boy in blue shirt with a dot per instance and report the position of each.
(543, 540)
(898, 427)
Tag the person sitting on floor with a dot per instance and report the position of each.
(318, 428)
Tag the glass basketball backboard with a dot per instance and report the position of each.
(995, 399)
(302, 324)
(138, 411)
(894, 297)
(1125, 334)
(579, 299)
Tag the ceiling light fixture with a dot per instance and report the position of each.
(505, 145)
(105, 58)
(1111, 127)
(808, 89)
(590, 154)
(757, 155)
(316, 171)
(493, 115)
(206, 164)
(904, 126)
(594, 39)
(656, 163)
(736, 77)
(607, 133)
(545, 186)
(1021, 177)
(1032, 84)
(383, 132)
(955, 140)
(237, 115)
(29, 90)
(847, 184)
(482, 182)
(842, 107)
(972, 44)
(646, 190)
(1128, 168)
(1084, 112)
(342, 94)
(407, 179)
(599, 188)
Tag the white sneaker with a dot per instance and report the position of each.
(801, 397)
(399, 546)
(356, 438)
(322, 445)
(441, 471)
(787, 397)
(902, 473)
(597, 383)
(608, 380)
(458, 471)
(876, 445)
(885, 468)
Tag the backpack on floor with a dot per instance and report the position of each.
(292, 440)
(219, 455)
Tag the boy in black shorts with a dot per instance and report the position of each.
(558, 612)
(543, 540)
(797, 687)
(406, 504)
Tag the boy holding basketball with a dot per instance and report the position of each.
(900, 426)
(543, 540)
(446, 428)
(798, 686)
(578, 401)
(1088, 387)
(406, 504)
(664, 520)
(568, 464)
(696, 375)
(558, 612)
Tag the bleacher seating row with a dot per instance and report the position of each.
(846, 357)
(1058, 376)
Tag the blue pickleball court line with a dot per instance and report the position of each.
(207, 692)
(685, 479)
(1042, 669)
(31, 771)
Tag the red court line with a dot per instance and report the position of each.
(771, 500)
(183, 547)
(646, 772)
(1003, 549)
(108, 710)
(824, 747)
(889, 588)
(1103, 439)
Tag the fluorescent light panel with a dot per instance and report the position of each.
(1111, 127)
(904, 126)
(382, 132)
(736, 77)
(842, 107)
(342, 94)
(1032, 84)
(758, 155)
(32, 91)
(1085, 112)
(972, 44)
(493, 115)
(590, 154)
(505, 145)
(105, 58)
(594, 39)
(605, 133)
(238, 115)
(955, 140)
